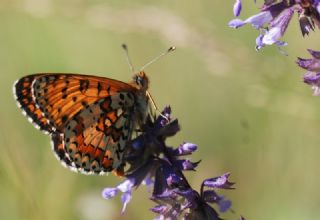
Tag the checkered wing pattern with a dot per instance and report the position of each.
(90, 119)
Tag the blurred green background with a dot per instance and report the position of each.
(249, 112)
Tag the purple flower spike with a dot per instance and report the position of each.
(237, 8)
(220, 182)
(150, 162)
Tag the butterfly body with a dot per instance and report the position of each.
(90, 119)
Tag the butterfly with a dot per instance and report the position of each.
(90, 119)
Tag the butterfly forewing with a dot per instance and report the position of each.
(90, 118)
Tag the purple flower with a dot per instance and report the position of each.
(185, 149)
(278, 27)
(275, 16)
(312, 77)
(220, 182)
(125, 187)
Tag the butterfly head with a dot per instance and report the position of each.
(141, 81)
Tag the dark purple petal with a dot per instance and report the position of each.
(160, 182)
(173, 179)
(315, 54)
(185, 149)
(162, 121)
(304, 63)
(165, 195)
(311, 79)
(186, 164)
(237, 8)
(314, 81)
(160, 209)
(220, 182)
(306, 24)
(312, 65)
(169, 130)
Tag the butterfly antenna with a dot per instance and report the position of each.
(158, 57)
(125, 48)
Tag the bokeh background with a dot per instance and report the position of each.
(249, 112)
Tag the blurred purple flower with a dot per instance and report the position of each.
(237, 7)
(274, 18)
(313, 64)
(312, 77)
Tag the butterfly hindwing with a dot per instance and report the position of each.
(95, 138)
(25, 100)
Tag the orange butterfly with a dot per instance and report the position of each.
(90, 119)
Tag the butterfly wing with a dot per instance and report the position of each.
(93, 141)
(50, 100)
(25, 100)
(89, 118)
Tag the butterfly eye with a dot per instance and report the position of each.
(139, 80)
